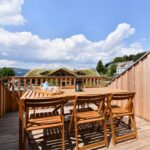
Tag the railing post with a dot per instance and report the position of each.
(24, 82)
(19, 94)
(35, 82)
(74, 81)
(30, 83)
(90, 82)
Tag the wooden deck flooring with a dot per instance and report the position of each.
(9, 137)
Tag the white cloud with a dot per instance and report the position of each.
(134, 48)
(10, 12)
(6, 63)
(27, 49)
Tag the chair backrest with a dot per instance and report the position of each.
(42, 102)
(128, 96)
(98, 100)
(123, 96)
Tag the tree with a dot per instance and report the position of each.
(7, 72)
(137, 56)
(117, 59)
(107, 64)
(112, 69)
(100, 67)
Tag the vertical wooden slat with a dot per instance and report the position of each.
(41, 81)
(86, 82)
(94, 82)
(19, 94)
(90, 82)
(30, 83)
(61, 82)
(70, 81)
(36, 81)
(8, 84)
(65, 81)
(13, 91)
(13, 85)
(24, 83)
(83, 83)
(51, 82)
(74, 81)
(56, 81)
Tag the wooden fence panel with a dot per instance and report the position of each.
(137, 78)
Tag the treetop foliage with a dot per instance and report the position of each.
(100, 67)
(7, 72)
(125, 58)
(110, 67)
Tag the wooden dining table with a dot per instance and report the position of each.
(35, 94)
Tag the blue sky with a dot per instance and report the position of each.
(71, 33)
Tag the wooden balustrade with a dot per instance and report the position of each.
(12, 88)
(2, 99)
(21, 84)
(7, 101)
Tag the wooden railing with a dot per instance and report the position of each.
(7, 101)
(12, 88)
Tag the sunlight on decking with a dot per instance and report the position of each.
(9, 137)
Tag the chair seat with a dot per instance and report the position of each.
(44, 122)
(89, 116)
(119, 111)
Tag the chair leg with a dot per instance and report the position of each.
(34, 112)
(119, 120)
(134, 126)
(130, 123)
(105, 133)
(70, 124)
(63, 136)
(76, 135)
(112, 130)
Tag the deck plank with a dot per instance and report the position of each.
(9, 136)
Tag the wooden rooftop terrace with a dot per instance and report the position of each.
(136, 78)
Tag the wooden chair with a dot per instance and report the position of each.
(117, 112)
(89, 116)
(71, 101)
(36, 123)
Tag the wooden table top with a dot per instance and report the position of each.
(68, 92)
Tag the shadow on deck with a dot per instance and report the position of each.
(52, 137)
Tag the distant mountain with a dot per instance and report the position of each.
(20, 72)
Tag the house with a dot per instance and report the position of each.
(122, 66)
(67, 75)
(63, 72)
